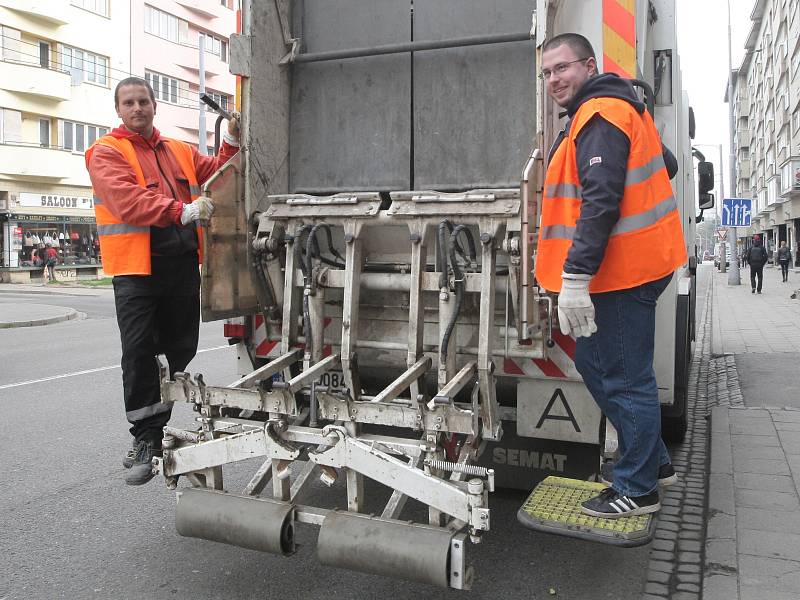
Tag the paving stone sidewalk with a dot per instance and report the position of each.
(752, 548)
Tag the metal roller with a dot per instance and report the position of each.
(391, 548)
(255, 523)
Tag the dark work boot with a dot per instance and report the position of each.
(130, 455)
(142, 468)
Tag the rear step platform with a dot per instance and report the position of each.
(554, 507)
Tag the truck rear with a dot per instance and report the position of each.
(372, 253)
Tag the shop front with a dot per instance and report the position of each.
(35, 221)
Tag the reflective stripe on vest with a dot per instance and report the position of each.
(647, 241)
(125, 248)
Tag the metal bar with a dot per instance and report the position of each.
(269, 369)
(416, 309)
(326, 364)
(310, 514)
(394, 389)
(404, 282)
(477, 40)
(355, 480)
(491, 423)
(350, 305)
(462, 378)
(281, 487)
(397, 501)
(260, 480)
(302, 478)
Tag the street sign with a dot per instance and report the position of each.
(722, 232)
(736, 212)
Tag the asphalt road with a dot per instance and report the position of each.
(70, 528)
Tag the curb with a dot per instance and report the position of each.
(68, 315)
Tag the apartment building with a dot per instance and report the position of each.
(166, 35)
(767, 122)
(59, 63)
(57, 60)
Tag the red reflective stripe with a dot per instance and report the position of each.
(620, 20)
(566, 343)
(512, 368)
(549, 368)
(265, 347)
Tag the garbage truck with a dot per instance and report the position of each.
(371, 257)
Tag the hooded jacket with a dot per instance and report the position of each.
(160, 204)
(602, 181)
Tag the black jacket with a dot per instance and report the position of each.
(602, 182)
(757, 255)
(784, 254)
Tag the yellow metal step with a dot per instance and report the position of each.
(554, 506)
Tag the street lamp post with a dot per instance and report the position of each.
(734, 277)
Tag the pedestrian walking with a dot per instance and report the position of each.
(148, 207)
(785, 259)
(756, 258)
(608, 163)
(51, 257)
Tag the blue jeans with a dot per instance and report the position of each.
(616, 364)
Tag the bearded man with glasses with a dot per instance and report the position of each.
(609, 242)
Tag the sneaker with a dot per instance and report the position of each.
(759, 291)
(753, 291)
(141, 470)
(609, 504)
(130, 455)
(666, 474)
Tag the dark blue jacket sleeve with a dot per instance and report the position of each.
(602, 155)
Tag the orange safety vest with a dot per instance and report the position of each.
(125, 248)
(647, 242)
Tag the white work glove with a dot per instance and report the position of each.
(575, 308)
(199, 210)
(232, 135)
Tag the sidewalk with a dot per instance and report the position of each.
(29, 313)
(753, 530)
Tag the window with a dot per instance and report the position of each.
(44, 54)
(79, 136)
(221, 99)
(44, 133)
(167, 89)
(165, 25)
(99, 7)
(85, 66)
(214, 45)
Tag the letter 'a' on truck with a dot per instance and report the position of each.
(372, 256)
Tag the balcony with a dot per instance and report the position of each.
(743, 106)
(743, 167)
(55, 12)
(28, 78)
(206, 9)
(47, 165)
(743, 138)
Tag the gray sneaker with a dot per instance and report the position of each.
(141, 470)
(130, 456)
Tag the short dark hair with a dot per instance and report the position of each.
(133, 81)
(579, 44)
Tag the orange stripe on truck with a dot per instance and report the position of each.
(619, 37)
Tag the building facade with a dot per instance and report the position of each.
(58, 58)
(59, 63)
(767, 123)
(166, 35)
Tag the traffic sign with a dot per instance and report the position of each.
(736, 212)
(722, 232)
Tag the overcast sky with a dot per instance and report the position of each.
(703, 46)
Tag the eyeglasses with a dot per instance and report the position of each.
(560, 68)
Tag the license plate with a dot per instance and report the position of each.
(333, 380)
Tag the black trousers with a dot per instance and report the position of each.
(785, 269)
(754, 270)
(156, 314)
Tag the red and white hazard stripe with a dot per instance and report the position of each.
(266, 348)
(560, 361)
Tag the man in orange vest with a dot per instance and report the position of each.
(148, 205)
(609, 242)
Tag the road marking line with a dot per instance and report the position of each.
(88, 371)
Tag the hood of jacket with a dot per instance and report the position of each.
(607, 85)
